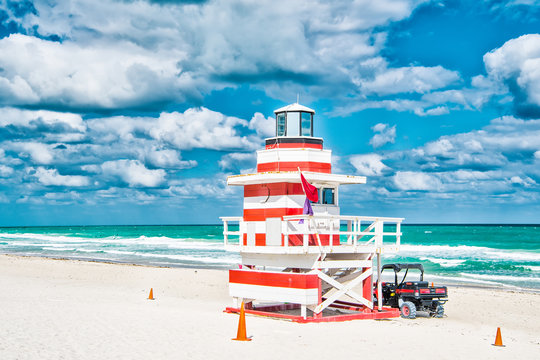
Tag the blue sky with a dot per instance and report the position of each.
(135, 112)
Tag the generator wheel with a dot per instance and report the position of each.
(408, 310)
(439, 312)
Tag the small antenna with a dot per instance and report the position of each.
(297, 98)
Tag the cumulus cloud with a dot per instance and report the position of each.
(38, 118)
(139, 152)
(168, 158)
(517, 64)
(241, 162)
(417, 79)
(104, 76)
(123, 54)
(264, 126)
(498, 161)
(384, 134)
(39, 153)
(368, 164)
(410, 180)
(5, 171)
(134, 173)
(200, 128)
(51, 177)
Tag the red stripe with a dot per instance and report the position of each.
(295, 240)
(273, 189)
(294, 165)
(260, 239)
(285, 280)
(294, 146)
(262, 214)
(298, 240)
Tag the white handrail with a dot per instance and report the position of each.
(373, 230)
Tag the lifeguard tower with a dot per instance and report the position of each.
(306, 268)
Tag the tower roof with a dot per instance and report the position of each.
(294, 107)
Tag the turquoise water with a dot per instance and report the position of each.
(502, 255)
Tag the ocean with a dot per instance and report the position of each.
(486, 255)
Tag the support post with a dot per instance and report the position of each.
(349, 230)
(225, 232)
(398, 233)
(379, 285)
(379, 228)
(367, 285)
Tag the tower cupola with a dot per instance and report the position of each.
(294, 120)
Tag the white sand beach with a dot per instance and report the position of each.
(63, 309)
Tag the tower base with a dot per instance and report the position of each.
(345, 311)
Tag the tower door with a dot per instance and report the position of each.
(273, 231)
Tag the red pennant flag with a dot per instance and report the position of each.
(310, 190)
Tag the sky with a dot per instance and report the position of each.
(135, 112)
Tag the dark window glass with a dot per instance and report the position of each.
(281, 124)
(306, 124)
(328, 196)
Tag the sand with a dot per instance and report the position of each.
(63, 309)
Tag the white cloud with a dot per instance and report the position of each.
(496, 164)
(117, 54)
(52, 177)
(517, 62)
(213, 188)
(38, 152)
(168, 159)
(194, 128)
(410, 180)
(134, 173)
(104, 75)
(33, 118)
(265, 127)
(234, 161)
(5, 171)
(384, 134)
(368, 165)
(439, 110)
(418, 79)
(201, 128)
(527, 181)
(441, 147)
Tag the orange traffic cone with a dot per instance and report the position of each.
(241, 334)
(498, 338)
(151, 295)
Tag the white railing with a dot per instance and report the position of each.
(369, 229)
(227, 233)
(360, 230)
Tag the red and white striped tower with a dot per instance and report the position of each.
(316, 262)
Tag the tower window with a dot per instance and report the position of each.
(328, 196)
(280, 124)
(307, 124)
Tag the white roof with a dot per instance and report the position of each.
(294, 177)
(294, 107)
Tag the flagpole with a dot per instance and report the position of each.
(323, 254)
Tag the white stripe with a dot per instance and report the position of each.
(272, 293)
(289, 155)
(274, 202)
(260, 226)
